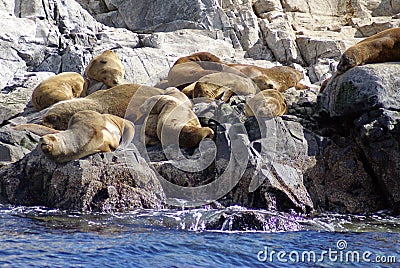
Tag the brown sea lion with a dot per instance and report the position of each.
(88, 132)
(189, 69)
(381, 47)
(107, 68)
(182, 75)
(113, 101)
(171, 120)
(223, 85)
(278, 77)
(199, 56)
(267, 103)
(63, 86)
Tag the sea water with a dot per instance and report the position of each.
(41, 237)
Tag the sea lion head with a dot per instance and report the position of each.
(191, 136)
(112, 77)
(347, 61)
(54, 148)
(263, 82)
(57, 120)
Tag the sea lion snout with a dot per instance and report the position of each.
(47, 143)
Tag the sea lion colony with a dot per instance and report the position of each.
(82, 120)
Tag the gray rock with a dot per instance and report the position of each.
(362, 89)
(16, 96)
(103, 182)
(281, 40)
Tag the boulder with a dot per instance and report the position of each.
(362, 89)
(102, 182)
(365, 101)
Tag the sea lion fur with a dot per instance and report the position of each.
(107, 68)
(88, 132)
(63, 86)
(381, 47)
(267, 103)
(115, 101)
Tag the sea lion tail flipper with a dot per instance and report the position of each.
(300, 86)
(39, 130)
(127, 134)
(227, 95)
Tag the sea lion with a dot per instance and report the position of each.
(88, 132)
(171, 120)
(189, 69)
(63, 86)
(113, 101)
(381, 47)
(267, 103)
(223, 85)
(107, 68)
(278, 77)
(182, 75)
(199, 56)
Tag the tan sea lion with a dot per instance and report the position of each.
(267, 103)
(88, 132)
(223, 85)
(63, 86)
(171, 120)
(107, 68)
(278, 77)
(113, 101)
(381, 47)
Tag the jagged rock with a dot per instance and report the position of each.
(263, 172)
(281, 40)
(102, 182)
(236, 219)
(314, 49)
(15, 97)
(386, 8)
(14, 145)
(379, 137)
(339, 182)
(365, 100)
(264, 6)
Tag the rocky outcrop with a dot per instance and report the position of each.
(366, 101)
(102, 182)
(337, 153)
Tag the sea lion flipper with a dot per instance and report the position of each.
(39, 130)
(127, 134)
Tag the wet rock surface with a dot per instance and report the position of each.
(338, 152)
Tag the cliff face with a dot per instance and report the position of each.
(339, 152)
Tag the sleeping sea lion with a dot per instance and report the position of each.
(88, 132)
(63, 86)
(113, 101)
(107, 68)
(171, 120)
(267, 103)
(381, 47)
(278, 77)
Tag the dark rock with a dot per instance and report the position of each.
(95, 183)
